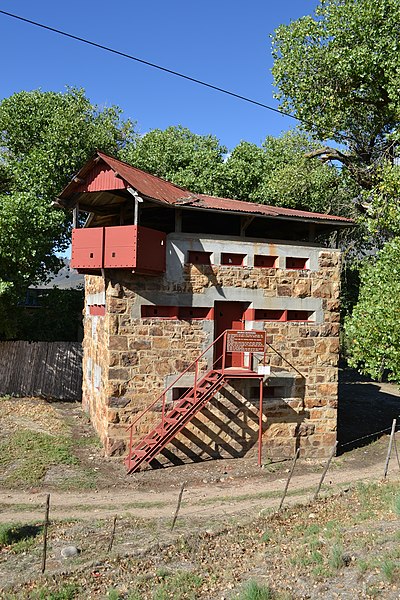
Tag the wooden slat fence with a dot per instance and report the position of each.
(49, 369)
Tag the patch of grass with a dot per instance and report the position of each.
(266, 536)
(68, 591)
(180, 585)
(85, 479)
(89, 441)
(257, 496)
(390, 570)
(321, 572)
(396, 505)
(373, 591)
(331, 529)
(313, 529)
(18, 537)
(363, 566)
(308, 559)
(33, 453)
(336, 560)
(252, 590)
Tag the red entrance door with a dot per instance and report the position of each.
(228, 315)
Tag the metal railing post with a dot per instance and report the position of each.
(223, 352)
(196, 374)
(163, 409)
(130, 448)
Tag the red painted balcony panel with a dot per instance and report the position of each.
(137, 248)
(120, 247)
(151, 250)
(87, 249)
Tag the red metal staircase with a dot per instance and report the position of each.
(183, 410)
(175, 420)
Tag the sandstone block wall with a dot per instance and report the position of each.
(129, 360)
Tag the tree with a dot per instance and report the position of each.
(178, 155)
(373, 329)
(279, 173)
(45, 137)
(276, 172)
(339, 72)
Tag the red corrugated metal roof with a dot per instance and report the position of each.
(229, 204)
(155, 188)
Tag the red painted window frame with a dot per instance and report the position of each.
(259, 258)
(150, 311)
(267, 314)
(232, 259)
(296, 264)
(199, 258)
(196, 313)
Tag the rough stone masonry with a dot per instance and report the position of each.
(129, 359)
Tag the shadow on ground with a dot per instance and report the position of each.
(366, 409)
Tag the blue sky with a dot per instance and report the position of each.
(224, 42)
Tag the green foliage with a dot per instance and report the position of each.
(397, 505)
(179, 585)
(178, 155)
(275, 173)
(253, 590)
(390, 570)
(336, 560)
(373, 329)
(279, 173)
(56, 318)
(68, 591)
(339, 71)
(45, 137)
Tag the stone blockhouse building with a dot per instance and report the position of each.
(167, 272)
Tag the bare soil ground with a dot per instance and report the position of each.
(220, 539)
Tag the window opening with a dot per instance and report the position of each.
(263, 260)
(233, 259)
(261, 314)
(294, 262)
(299, 315)
(189, 313)
(199, 258)
(159, 312)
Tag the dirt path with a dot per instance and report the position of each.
(226, 498)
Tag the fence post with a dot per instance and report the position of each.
(289, 478)
(325, 471)
(389, 452)
(46, 525)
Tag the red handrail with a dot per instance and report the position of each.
(195, 362)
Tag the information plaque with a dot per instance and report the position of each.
(245, 341)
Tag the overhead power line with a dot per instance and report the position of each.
(150, 64)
